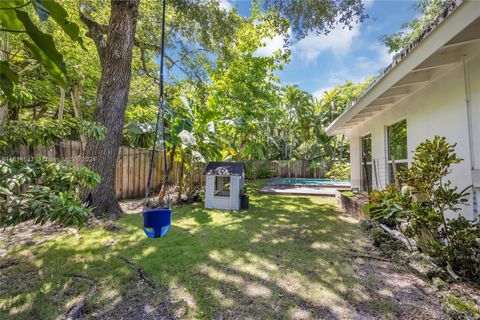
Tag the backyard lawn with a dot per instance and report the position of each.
(290, 257)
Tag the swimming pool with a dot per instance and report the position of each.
(309, 182)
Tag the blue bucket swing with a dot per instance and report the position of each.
(156, 222)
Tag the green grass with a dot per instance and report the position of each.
(285, 256)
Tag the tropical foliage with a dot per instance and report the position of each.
(427, 203)
(223, 99)
(428, 11)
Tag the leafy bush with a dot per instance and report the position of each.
(455, 242)
(339, 170)
(388, 205)
(38, 189)
(260, 173)
(43, 191)
(140, 125)
(46, 132)
(463, 251)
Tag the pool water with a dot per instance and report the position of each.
(310, 182)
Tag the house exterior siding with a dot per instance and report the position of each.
(440, 108)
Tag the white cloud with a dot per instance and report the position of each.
(271, 46)
(375, 64)
(319, 93)
(225, 5)
(362, 68)
(339, 40)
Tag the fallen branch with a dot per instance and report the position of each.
(77, 309)
(409, 243)
(452, 273)
(141, 273)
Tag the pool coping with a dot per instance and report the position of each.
(303, 190)
(330, 190)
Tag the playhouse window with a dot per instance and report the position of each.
(222, 186)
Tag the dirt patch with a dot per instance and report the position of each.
(29, 234)
(132, 206)
(457, 300)
(392, 288)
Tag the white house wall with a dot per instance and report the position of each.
(438, 109)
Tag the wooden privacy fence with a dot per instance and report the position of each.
(292, 169)
(132, 168)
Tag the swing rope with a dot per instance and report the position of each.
(160, 113)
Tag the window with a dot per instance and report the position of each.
(397, 148)
(367, 163)
(222, 186)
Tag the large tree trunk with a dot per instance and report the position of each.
(112, 97)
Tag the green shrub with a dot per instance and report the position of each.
(463, 251)
(453, 242)
(260, 173)
(138, 131)
(339, 171)
(43, 191)
(46, 132)
(388, 205)
(35, 188)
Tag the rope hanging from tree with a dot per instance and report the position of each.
(156, 222)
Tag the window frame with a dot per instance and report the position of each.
(223, 192)
(389, 162)
(368, 163)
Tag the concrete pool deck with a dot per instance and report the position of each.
(305, 190)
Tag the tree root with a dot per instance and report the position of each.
(141, 273)
(77, 309)
(452, 273)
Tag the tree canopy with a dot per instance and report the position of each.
(427, 12)
(62, 79)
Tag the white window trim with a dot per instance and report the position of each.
(362, 173)
(387, 148)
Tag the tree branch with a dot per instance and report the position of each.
(144, 66)
(96, 32)
(158, 49)
(147, 46)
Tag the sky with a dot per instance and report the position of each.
(318, 63)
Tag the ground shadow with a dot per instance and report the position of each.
(286, 257)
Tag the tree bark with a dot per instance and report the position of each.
(112, 98)
(5, 57)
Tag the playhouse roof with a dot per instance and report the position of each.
(225, 168)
